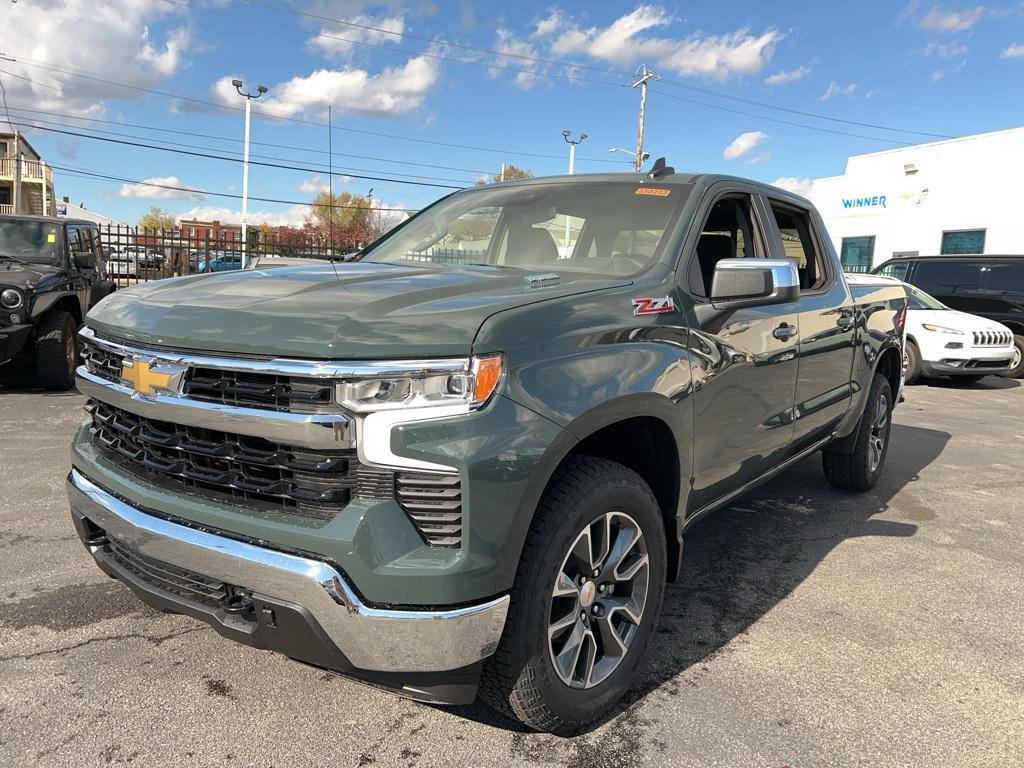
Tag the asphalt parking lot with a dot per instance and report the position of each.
(812, 628)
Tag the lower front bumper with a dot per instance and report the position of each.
(295, 605)
(12, 340)
(967, 367)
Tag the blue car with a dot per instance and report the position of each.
(224, 262)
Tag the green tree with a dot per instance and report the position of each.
(343, 222)
(156, 218)
(511, 171)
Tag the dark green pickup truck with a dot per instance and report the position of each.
(466, 459)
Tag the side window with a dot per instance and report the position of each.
(857, 253)
(728, 233)
(97, 247)
(949, 280)
(798, 244)
(897, 269)
(1004, 284)
(75, 240)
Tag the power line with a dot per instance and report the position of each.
(235, 140)
(82, 172)
(777, 120)
(236, 160)
(39, 123)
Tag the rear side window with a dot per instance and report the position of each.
(897, 269)
(1005, 283)
(948, 278)
(798, 244)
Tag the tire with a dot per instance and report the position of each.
(56, 351)
(860, 470)
(913, 372)
(521, 680)
(1017, 371)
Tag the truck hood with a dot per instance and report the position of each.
(368, 311)
(23, 275)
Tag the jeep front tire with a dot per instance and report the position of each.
(585, 602)
(56, 351)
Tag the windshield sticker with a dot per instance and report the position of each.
(51, 237)
(654, 191)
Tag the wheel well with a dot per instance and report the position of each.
(70, 305)
(647, 446)
(890, 365)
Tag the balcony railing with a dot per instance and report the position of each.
(6, 209)
(31, 170)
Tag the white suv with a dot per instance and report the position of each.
(944, 342)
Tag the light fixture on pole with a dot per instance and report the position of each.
(260, 90)
(644, 157)
(567, 135)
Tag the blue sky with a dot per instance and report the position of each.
(468, 85)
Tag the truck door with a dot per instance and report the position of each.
(745, 365)
(827, 322)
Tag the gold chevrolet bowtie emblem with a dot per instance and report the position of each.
(145, 376)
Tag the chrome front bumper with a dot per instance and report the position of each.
(373, 639)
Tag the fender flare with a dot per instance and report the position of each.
(46, 302)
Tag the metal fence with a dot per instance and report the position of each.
(135, 255)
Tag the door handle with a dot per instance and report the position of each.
(785, 332)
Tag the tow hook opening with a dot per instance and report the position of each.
(239, 603)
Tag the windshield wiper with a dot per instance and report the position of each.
(13, 258)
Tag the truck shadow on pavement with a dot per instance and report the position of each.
(743, 560)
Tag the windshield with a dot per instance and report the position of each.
(921, 300)
(601, 228)
(36, 242)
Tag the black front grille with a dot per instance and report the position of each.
(102, 362)
(434, 504)
(238, 469)
(169, 578)
(258, 390)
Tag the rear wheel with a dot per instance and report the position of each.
(860, 470)
(56, 351)
(585, 602)
(913, 372)
(1017, 371)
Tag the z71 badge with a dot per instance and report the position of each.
(648, 306)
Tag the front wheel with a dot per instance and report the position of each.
(585, 602)
(860, 470)
(56, 351)
(913, 370)
(1017, 366)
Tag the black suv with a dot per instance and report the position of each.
(51, 274)
(989, 286)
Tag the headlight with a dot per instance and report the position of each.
(941, 329)
(11, 298)
(472, 386)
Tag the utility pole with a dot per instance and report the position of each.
(330, 180)
(644, 74)
(567, 135)
(260, 90)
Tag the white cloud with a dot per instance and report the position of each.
(788, 76)
(795, 185)
(1013, 52)
(744, 144)
(157, 188)
(944, 50)
(937, 20)
(626, 40)
(341, 40)
(938, 74)
(512, 51)
(835, 89)
(392, 91)
(116, 40)
(289, 217)
(318, 184)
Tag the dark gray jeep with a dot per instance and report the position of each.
(51, 274)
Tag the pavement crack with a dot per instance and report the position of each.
(157, 641)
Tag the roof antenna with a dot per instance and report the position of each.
(660, 169)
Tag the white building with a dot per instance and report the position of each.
(69, 210)
(953, 196)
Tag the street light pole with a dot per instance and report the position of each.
(567, 135)
(260, 90)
